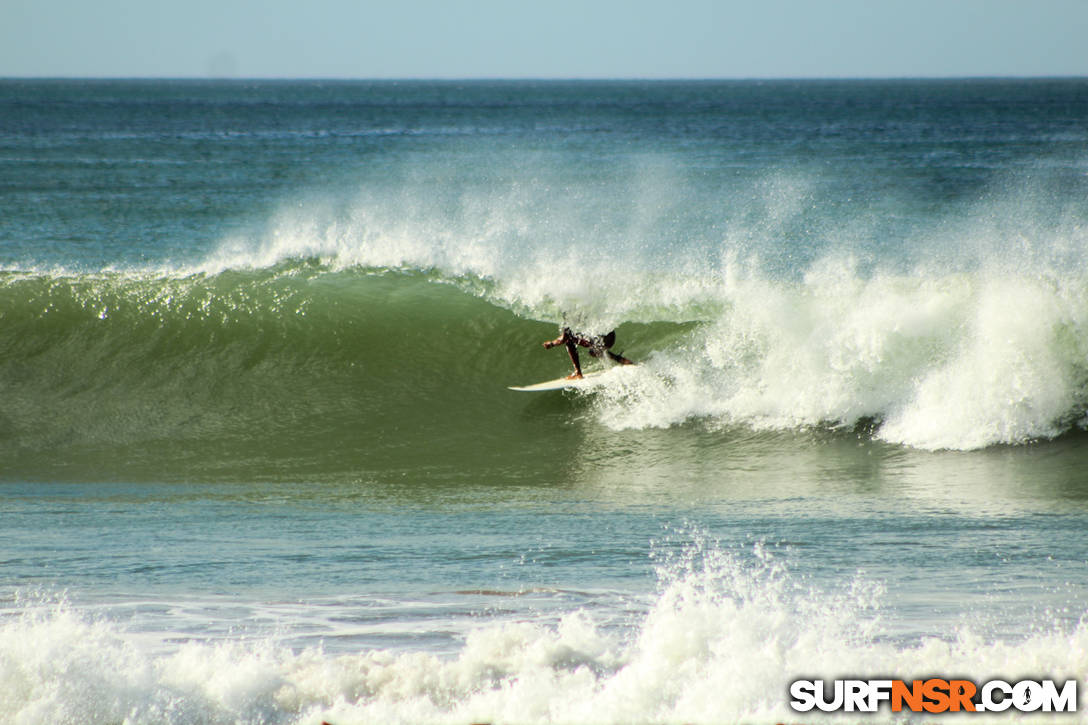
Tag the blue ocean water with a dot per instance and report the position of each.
(259, 462)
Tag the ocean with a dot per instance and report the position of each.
(259, 462)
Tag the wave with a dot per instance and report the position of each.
(287, 367)
(720, 641)
(311, 367)
(970, 333)
(297, 371)
(362, 329)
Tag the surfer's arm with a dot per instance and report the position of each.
(563, 338)
(568, 339)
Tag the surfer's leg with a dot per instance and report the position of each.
(572, 350)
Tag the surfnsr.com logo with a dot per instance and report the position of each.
(934, 695)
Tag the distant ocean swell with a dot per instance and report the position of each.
(720, 641)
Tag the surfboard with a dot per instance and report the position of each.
(561, 383)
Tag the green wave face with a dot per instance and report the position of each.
(294, 373)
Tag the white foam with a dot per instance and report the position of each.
(720, 642)
(954, 360)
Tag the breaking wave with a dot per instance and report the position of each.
(720, 641)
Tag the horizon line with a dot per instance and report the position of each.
(544, 79)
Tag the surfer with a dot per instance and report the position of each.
(599, 346)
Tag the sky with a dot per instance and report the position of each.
(544, 39)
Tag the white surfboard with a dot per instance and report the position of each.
(587, 380)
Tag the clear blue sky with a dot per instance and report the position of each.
(548, 38)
